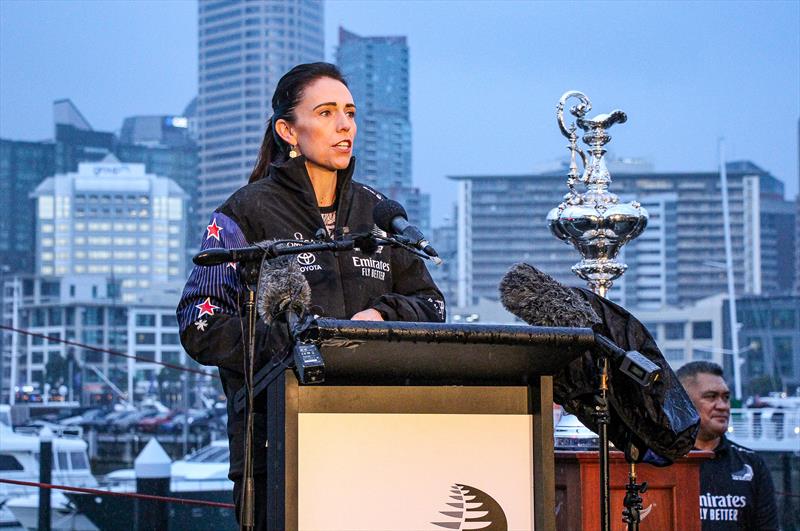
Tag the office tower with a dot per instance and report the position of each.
(164, 144)
(244, 49)
(23, 165)
(652, 258)
(376, 69)
(114, 219)
(502, 221)
(155, 131)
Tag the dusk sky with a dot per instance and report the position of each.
(485, 76)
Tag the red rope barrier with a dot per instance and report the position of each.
(85, 490)
(107, 351)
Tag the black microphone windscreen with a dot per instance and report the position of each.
(385, 211)
(282, 286)
(540, 300)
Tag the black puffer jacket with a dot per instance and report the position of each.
(283, 206)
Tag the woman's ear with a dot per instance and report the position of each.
(286, 132)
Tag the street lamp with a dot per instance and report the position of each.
(727, 266)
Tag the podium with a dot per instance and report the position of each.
(670, 503)
(477, 395)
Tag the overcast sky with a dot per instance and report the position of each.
(485, 76)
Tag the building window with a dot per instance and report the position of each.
(54, 316)
(701, 330)
(170, 339)
(674, 354)
(145, 319)
(93, 315)
(171, 357)
(701, 354)
(93, 337)
(169, 320)
(145, 338)
(783, 356)
(146, 355)
(783, 318)
(9, 463)
(674, 330)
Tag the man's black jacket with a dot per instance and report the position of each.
(283, 205)
(736, 491)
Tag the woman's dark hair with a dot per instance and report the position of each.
(287, 95)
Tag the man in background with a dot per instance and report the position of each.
(736, 490)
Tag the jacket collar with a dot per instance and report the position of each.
(293, 175)
(723, 446)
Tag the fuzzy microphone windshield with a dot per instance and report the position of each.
(282, 287)
(540, 300)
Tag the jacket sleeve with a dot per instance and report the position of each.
(210, 309)
(414, 295)
(764, 504)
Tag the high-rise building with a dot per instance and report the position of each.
(23, 165)
(165, 146)
(244, 49)
(502, 221)
(114, 219)
(167, 150)
(376, 69)
(652, 259)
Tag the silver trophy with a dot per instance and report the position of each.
(593, 221)
(598, 225)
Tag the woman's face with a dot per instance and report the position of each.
(325, 124)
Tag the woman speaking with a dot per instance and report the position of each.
(301, 184)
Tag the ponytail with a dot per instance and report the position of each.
(269, 153)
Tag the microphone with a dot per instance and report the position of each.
(540, 300)
(284, 291)
(391, 217)
(282, 288)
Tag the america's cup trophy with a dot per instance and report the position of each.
(597, 224)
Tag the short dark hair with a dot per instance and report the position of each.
(693, 368)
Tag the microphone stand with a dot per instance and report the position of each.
(632, 514)
(603, 417)
(247, 517)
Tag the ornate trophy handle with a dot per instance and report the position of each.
(578, 111)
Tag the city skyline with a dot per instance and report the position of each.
(686, 74)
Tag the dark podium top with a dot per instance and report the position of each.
(402, 353)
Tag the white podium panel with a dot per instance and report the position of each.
(414, 472)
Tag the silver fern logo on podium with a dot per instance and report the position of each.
(473, 509)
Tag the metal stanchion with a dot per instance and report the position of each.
(45, 476)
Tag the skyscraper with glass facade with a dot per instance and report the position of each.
(244, 49)
(376, 69)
